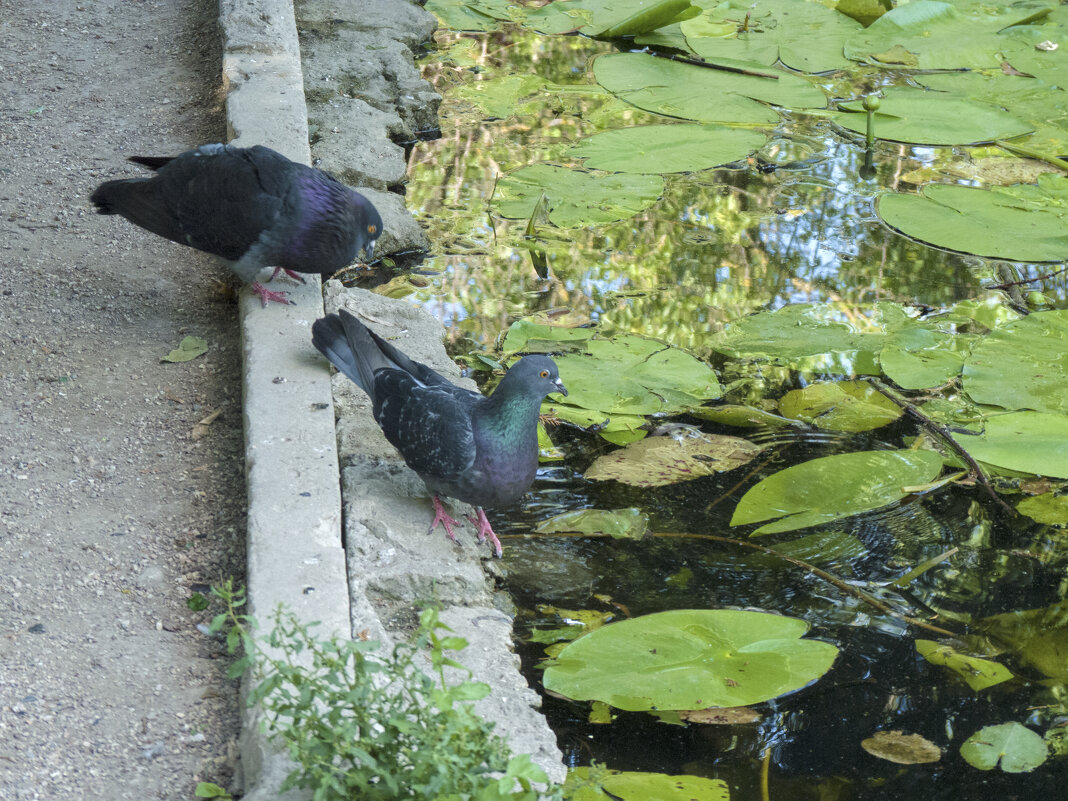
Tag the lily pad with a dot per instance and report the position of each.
(1039, 636)
(690, 659)
(901, 748)
(667, 148)
(1028, 442)
(1012, 746)
(1021, 223)
(628, 524)
(834, 487)
(933, 118)
(920, 357)
(575, 198)
(1048, 508)
(658, 461)
(469, 15)
(840, 406)
(618, 429)
(807, 37)
(527, 336)
(978, 673)
(585, 784)
(189, 348)
(1022, 365)
(604, 19)
(704, 94)
(742, 416)
(499, 97)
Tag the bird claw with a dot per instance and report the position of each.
(482, 525)
(443, 517)
(267, 295)
(291, 273)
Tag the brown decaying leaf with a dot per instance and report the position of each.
(903, 749)
(721, 716)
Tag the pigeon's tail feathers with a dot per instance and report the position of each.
(152, 162)
(140, 201)
(349, 345)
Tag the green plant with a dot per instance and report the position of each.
(375, 727)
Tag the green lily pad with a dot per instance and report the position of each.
(703, 94)
(920, 357)
(628, 524)
(834, 487)
(840, 406)
(1028, 442)
(189, 348)
(619, 429)
(805, 336)
(585, 784)
(575, 198)
(1022, 365)
(604, 19)
(742, 416)
(1012, 746)
(937, 35)
(978, 673)
(667, 148)
(469, 15)
(690, 659)
(807, 37)
(658, 461)
(1048, 508)
(527, 336)
(499, 97)
(932, 118)
(1021, 223)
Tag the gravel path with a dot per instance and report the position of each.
(113, 510)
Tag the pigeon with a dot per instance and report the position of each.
(480, 450)
(251, 206)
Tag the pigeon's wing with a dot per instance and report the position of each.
(429, 425)
(422, 373)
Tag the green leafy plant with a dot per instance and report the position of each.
(359, 724)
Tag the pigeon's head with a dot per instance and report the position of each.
(368, 225)
(539, 373)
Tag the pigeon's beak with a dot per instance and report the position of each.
(560, 387)
(369, 250)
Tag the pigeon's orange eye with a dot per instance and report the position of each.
(371, 229)
(544, 373)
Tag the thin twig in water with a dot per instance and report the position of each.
(1022, 281)
(710, 66)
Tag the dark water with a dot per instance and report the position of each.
(795, 225)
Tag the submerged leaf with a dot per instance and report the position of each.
(1049, 508)
(657, 461)
(690, 659)
(1039, 636)
(1012, 745)
(575, 198)
(901, 748)
(834, 487)
(630, 524)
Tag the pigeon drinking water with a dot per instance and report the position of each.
(481, 450)
(251, 206)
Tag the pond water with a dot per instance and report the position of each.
(793, 223)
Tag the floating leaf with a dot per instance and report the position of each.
(807, 37)
(630, 524)
(667, 148)
(932, 118)
(919, 357)
(189, 348)
(700, 93)
(618, 429)
(690, 659)
(721, 715)
(1022, 365)
(1029, 442)
(978, 673)
(863, 11)
(582, 785)
(1049, 508)
(498, 97)
(840, 406)
(527, 336)
(606, 19)
(834, 487)
(657, 461)
(469, 15)
(1012, 745)
(575, 198)
(1022, 223)
(901, 748)
(741, 416)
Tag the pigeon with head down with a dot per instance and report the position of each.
(480, 450)
(251, 206)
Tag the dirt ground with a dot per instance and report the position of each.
(112, 513)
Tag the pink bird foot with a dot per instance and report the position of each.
(267, 295)
(485, 530)
(292, 274)
(443, 517)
